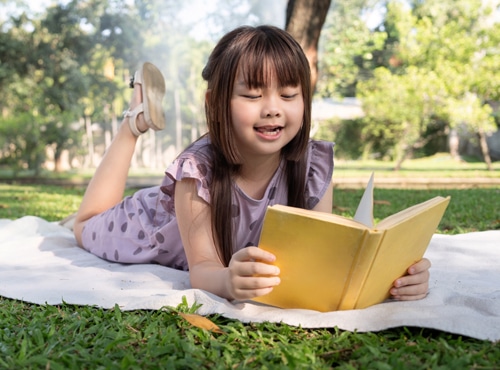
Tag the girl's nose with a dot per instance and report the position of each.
(273, 113)
(271, 108)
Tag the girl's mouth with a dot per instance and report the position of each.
(269, 131)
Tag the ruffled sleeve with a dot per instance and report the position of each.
(319, 171)
(193, 163)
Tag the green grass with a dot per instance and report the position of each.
(49, 202)
(66, 336)
(469, 209)
(440, 165)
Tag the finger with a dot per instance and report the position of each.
(257, 282)
(421, 266)
(416, 279)
(409, 297)
(247, 288)
(254, 269)
(254, 254)
(410, 292)
(243, 294)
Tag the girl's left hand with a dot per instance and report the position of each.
(415, 285)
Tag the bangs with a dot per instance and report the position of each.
(263, 60)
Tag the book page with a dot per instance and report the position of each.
(411, 212)
(329, 217)
(364, 213)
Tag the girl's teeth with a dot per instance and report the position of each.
(273, 131)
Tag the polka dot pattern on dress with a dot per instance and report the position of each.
(160, 238)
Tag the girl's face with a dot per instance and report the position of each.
(266, 118)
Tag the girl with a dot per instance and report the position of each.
(206, 216)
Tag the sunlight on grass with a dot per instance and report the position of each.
(439, 165)
(49, 202)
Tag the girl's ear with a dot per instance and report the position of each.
(207, 95)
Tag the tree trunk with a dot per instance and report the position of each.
(454, 143)
(57, 159)
(401, 157)
(304, 21)
(90, 141)
(484, 149)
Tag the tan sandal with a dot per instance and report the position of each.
(153, 90)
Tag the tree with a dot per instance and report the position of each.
(471, 114)
(304, 21)
(450, 41)
(349, 49)
(400, 108)
(464, 53)
(55, 69)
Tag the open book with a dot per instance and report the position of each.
(329, 262)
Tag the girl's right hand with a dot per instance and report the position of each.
(251, 273)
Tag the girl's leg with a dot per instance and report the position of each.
(107, 186)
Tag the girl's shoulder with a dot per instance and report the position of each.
(195, 162)
(201, 148)
(320, 150)
(319, 170)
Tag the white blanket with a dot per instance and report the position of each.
(40, 263)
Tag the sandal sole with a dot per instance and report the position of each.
(153, 92)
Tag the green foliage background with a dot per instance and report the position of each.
(422, 70)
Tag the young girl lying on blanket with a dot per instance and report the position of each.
(207, 214)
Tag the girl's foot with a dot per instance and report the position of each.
(149, 90)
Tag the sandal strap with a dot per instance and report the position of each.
(135, 80)
(132, 118)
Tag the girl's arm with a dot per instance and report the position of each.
(412, 286)
(244, 278)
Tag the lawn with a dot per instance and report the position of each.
(66, 336)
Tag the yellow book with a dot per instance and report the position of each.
(329, 262)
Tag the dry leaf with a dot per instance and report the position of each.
(384, 202)
(341, 209)
(200, 322)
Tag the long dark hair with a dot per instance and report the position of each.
(255, 51)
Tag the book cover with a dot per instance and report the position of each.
(329, 262)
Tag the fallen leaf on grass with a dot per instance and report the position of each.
(341, 209)
(200, 322)
(383, 202)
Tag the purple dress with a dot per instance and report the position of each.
(143, 227)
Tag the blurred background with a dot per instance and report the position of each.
(394, 80)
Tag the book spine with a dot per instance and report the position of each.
(360, 269)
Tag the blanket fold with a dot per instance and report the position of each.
(40, 263)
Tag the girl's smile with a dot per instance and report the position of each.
(269, 132)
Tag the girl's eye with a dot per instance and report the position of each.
(290, 92)
(251, 96)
